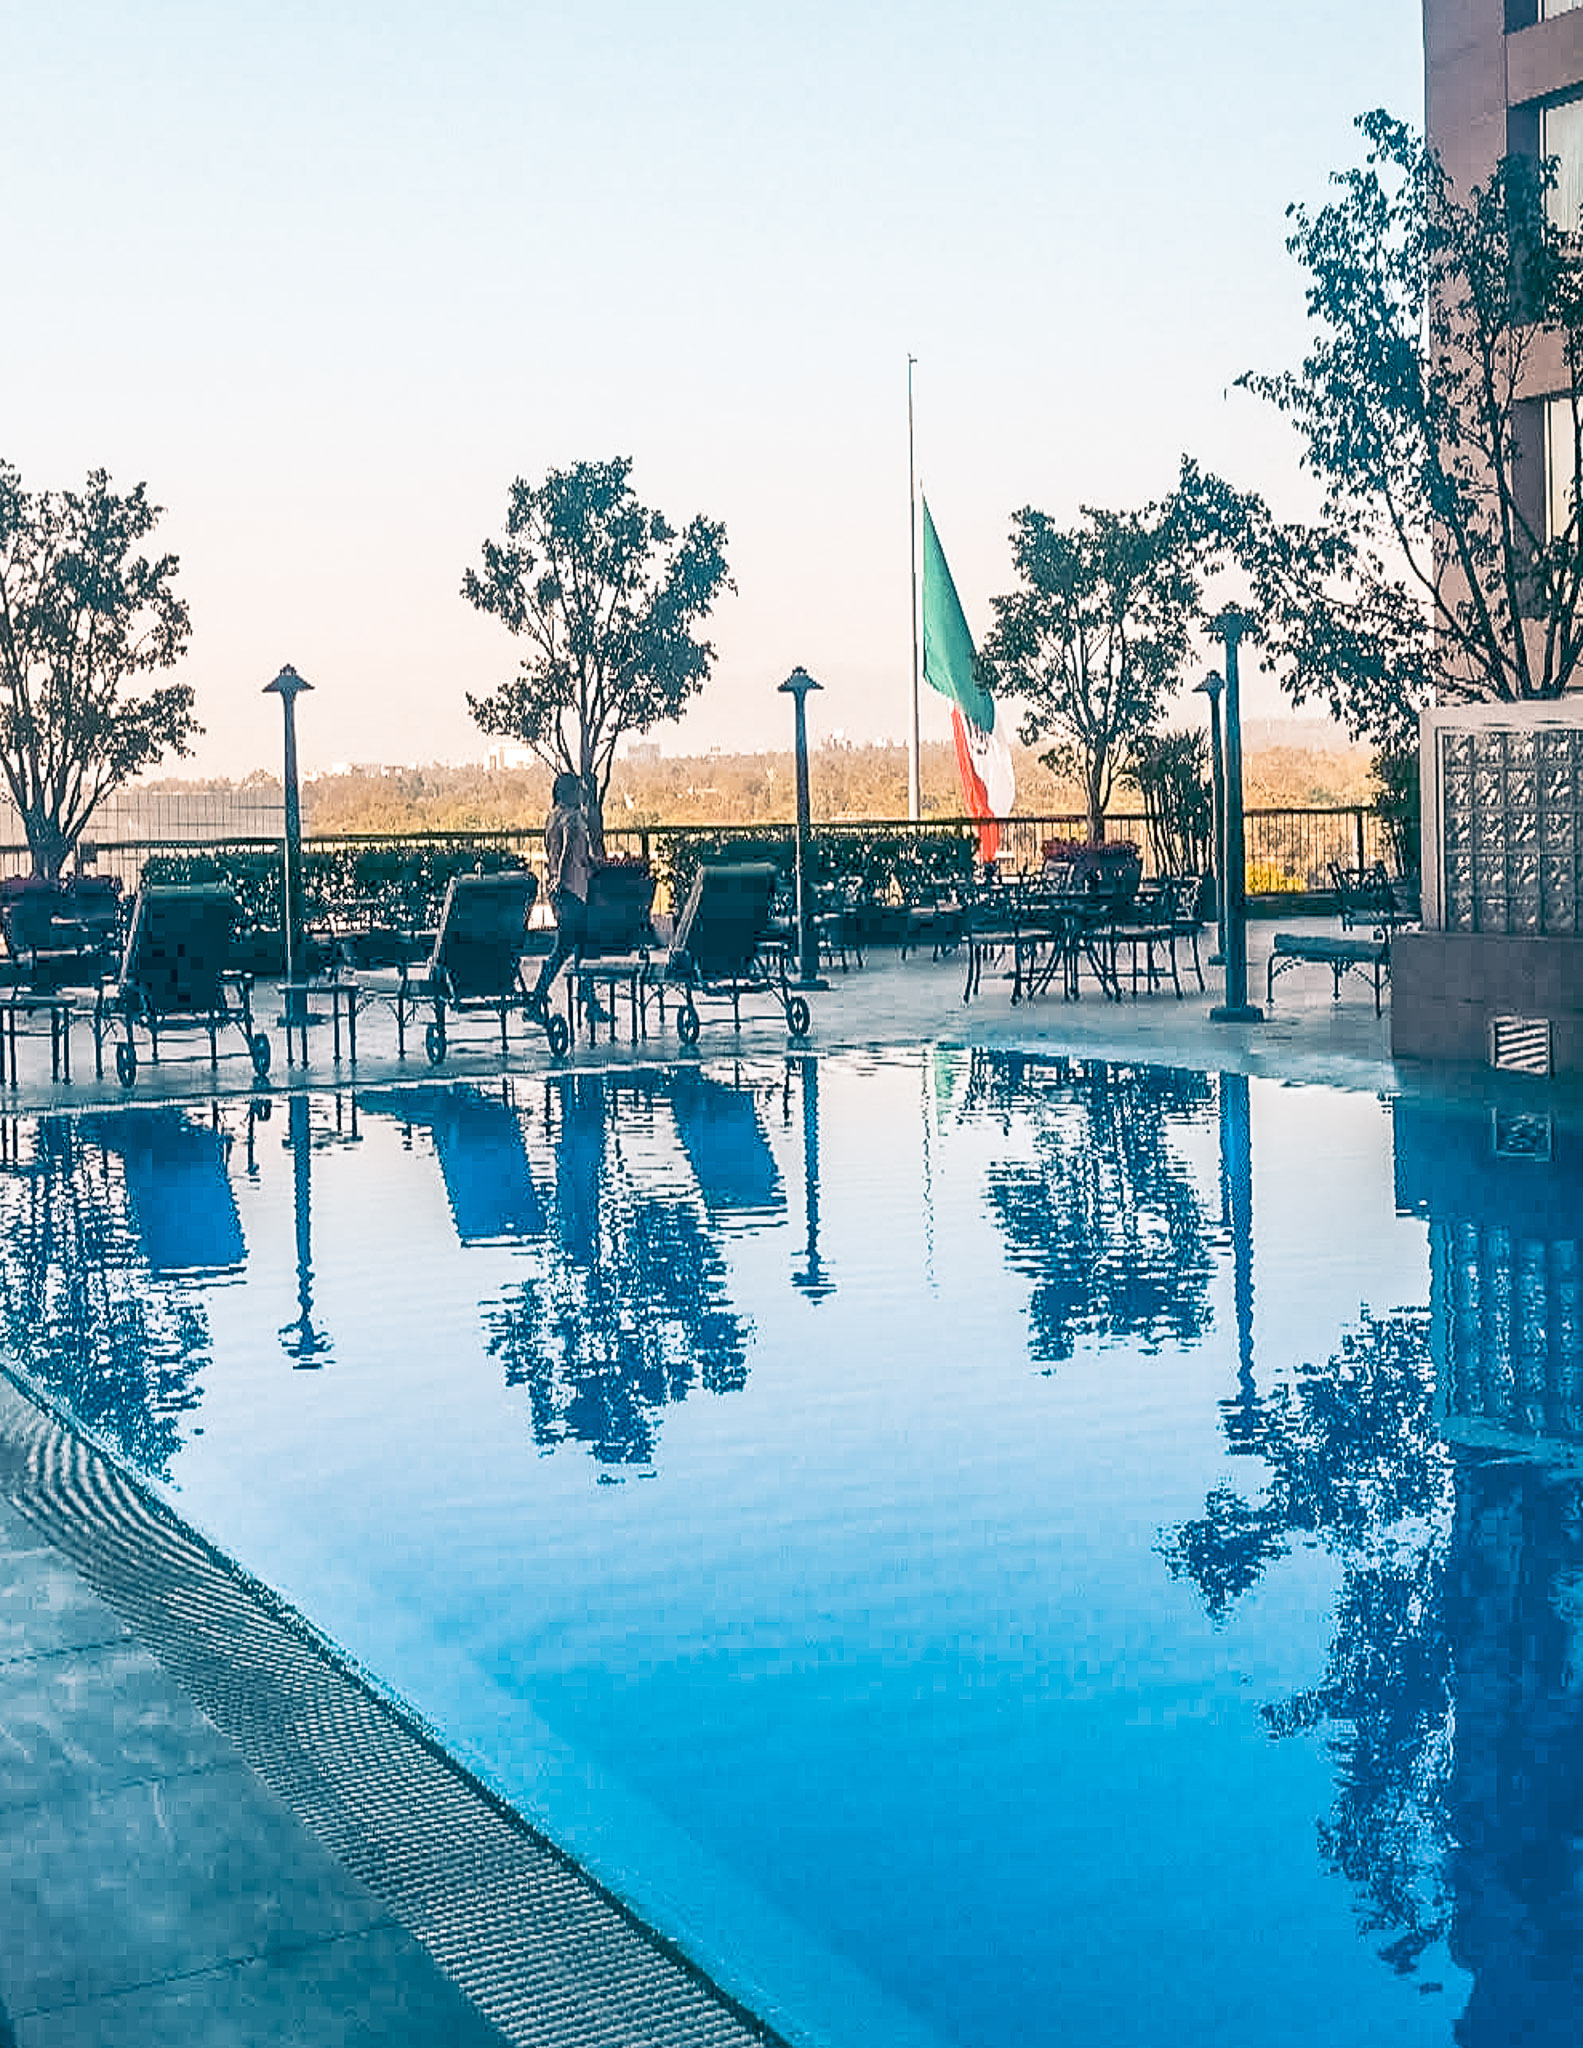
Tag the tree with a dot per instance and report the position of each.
(82, 615)
(1438, 562)
(1095, 639)
(607, 595)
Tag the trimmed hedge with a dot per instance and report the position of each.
(895, 866)
(394, 886)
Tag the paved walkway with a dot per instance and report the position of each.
(1307, 1035)
(212, 1832)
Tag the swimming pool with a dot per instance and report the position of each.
(976, 1548)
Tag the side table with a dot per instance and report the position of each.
(342, 999)
(17, 1003)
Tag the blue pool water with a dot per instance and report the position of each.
(977, 1549)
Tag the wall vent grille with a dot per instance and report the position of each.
(1521, 1045)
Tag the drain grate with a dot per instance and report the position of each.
(1521, 1045)
(537, 1946)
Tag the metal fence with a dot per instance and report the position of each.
(1288, 851)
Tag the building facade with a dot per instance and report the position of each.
(1505, 78)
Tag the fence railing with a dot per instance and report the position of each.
(1288, 849)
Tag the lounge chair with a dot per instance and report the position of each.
(475, 964)
(616, 940)
(722, 947)
(60, 934)
(176, 974)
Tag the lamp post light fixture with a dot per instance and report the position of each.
(796, 686)
(1236, 1009)
(1211, 687)
(288, 687)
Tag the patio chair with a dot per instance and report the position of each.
(1187, 919)
(722, 948)
(839, 914)
(1367, 896)
(175, 975)
(475, 964)
(1145, 929)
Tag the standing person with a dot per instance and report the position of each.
(569, 864)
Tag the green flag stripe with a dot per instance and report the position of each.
(948, 661)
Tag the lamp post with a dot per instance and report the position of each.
(796, 686)
(1236, 1009)
(288, 686)
(1211, 687)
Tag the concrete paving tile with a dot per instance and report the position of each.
(110, 1890)
(102, 1717)
(45, 1607)
(373, 1990)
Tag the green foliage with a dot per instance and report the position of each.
(1399, 802)
(82, 615)
(1095, 639)
(1172, 773)
(1431, 565)
(606, 595)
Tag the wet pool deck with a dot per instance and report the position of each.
(214, 1833)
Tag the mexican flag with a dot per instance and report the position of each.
(983, 758)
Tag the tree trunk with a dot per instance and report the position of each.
(593, 808)
(46, 844)
(1096, 813)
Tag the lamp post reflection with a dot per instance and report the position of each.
(305, 1346)
(814, 1280)
(1236, 1211)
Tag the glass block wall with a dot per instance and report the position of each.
(1511, 822)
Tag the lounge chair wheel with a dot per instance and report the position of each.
(434, 1042)
(798, 1016)
(559, 1033)
(126, 1064)
(687, 1024)
(258, 1048)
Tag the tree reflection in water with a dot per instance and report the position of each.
(105, 1224)
(626, 1308)
(1106, 1219)
(1357, 1467)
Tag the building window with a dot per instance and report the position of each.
(1561, 136)
(1547, 8)
(1561, 473)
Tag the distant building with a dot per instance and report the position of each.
(507, 754)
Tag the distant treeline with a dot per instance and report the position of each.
(846, 782)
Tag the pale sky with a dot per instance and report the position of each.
(329, 276)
